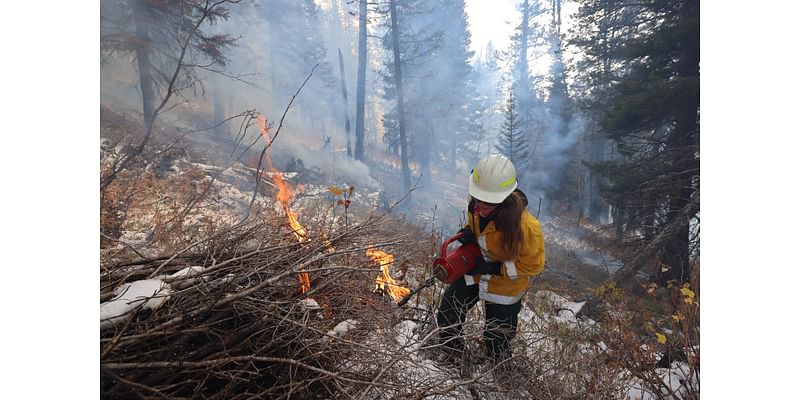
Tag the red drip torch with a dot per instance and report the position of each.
(449, 267)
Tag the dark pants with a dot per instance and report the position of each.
(500, 327)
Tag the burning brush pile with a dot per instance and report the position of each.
(262, 310)
(282, 304)
(250, 312)
(298, 300)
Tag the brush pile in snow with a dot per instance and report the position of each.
(226, 319)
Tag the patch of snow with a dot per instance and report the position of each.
(228, 278)
(188, 271)
(550, 298)
(569, 310)
(405, 332)
(133, 238)
(147, 293)
(526, 314)
(676, 378)
(342, 327)
(565, 311)
(310, 304)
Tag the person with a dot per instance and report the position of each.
(512, 245)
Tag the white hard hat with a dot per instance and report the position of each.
(493, 179)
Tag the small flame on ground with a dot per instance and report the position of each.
(305, 282)
(384, 281)
(284, 197)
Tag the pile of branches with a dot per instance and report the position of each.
(239, 328)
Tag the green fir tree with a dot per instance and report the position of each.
(512, 141)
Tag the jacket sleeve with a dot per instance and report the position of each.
(530, 260)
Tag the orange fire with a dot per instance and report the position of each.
(262, 124)
(384, 281)
(284, 197)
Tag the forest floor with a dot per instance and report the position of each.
(227, 315)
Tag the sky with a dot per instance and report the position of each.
(495, 21)
(491, 20)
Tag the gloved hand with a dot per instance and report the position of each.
(468, 237)
(486, 267)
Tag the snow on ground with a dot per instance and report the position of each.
(405, 332)
(553, 308)
(181, 280)
(673, 377)
(147, 293)
(558, 307)
(310, 304)
(342, 327)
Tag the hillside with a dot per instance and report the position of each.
(220, 279)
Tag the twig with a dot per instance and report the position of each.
(134, 384)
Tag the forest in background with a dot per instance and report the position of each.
(601, 120)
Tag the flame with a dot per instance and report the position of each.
(384, 281)
(284, 197)
(262, 124)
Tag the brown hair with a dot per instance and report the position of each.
(509, 222)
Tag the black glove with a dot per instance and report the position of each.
(486, 267)
(468, 237)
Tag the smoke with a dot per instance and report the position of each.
(332, 165)
(553, 154)
(453, 106)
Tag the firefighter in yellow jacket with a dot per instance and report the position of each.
(512, 245)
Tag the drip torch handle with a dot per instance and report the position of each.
(447, 242)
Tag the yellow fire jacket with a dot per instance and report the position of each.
(517, 273)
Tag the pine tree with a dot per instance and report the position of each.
(513, 141)
(456, 112)
(645, 94)
(411, 40)
(171, 45)
(314, 50)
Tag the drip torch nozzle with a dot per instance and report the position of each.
(428, 282)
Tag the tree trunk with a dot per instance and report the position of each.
(146, 83)
(398, 78)
(346, 105)
(524, 95)
(671, 233)
(558, 17)
(362, 78)
(598, 209)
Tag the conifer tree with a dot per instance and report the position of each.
(645, 95)
(411, 40)
(512, 141)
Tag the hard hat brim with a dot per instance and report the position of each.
(489, 197)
